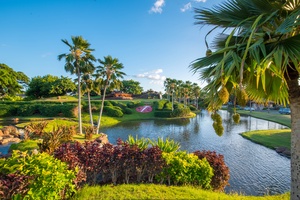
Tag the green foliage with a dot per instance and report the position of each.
(11, 82)
(134, 104)
(108, 103)
(128, 111)
(181, 112)
(27, 145)
(184, 168)
(131, 87)
(48, 85)
(161, 104)
(163, 114)
(154, 191)
(167, 145)
(113, 111)
(31, 108)
(168, 106)
(52, 179)
(141, 143)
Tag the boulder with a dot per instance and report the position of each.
(8, 140)
(102, 139)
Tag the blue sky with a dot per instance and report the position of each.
(154, 39)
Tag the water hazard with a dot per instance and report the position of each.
(254, 169)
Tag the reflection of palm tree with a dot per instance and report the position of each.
(78, 61)
(108, 74)
(261, 55)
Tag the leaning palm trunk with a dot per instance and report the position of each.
(294, 97)
(101, 109)
(90, 108)
(79, 102)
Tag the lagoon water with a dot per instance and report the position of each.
(254, 169)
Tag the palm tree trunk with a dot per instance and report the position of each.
(294, 97)
(101, 109)
(79, 102)
(90, 109)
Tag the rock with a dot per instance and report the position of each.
(283, 151)
(102, 139)
(8, 140)
(1, 133)
(10, 130)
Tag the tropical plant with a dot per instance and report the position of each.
(108, 73)
(260, 55)
(141, 143)
(131, 87)
(51, 178)
(166, 145)
(78, 61)
(88, 85)
(184, 168)
(221, 171)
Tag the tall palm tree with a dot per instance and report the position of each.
(109, 73)
(196, 93)
(78, 60)
(260, 55)
(87, 86)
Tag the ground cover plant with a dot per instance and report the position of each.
(153, 191)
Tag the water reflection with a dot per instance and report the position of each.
(254, 169)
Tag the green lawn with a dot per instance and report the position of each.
(270, 138)
(151, 191)
(271, 116)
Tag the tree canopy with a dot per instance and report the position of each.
(48, 85)
(11, 82)
(131, 87)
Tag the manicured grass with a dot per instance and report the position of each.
(151, 191)
(270, 138)
(271, 116)
(25, 145)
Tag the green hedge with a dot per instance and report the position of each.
(163, 114)
(45, 109)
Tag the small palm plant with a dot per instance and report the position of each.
(141, 143)
(167, 145)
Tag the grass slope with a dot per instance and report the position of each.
(151, 191)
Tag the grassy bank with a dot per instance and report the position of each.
(270, 138)
(151, 191)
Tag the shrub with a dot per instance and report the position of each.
(221, 171)
(89, 131)
(14, 186)
(161, 104)
(108, 103)
(192, 107)
(113, 112)
(168, 106)
(134, 104)
(184, 168)
(181, 112)
(162, 114)
(178, 106)
(141, 143)
(128, 111)
(52, 179)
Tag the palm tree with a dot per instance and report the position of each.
(88, 85)
(196, 93)
(109, 74)
(78, 61)
(260, 55)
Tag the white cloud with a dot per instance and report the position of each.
(154, 76)
(186, 7)
(157, 7)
